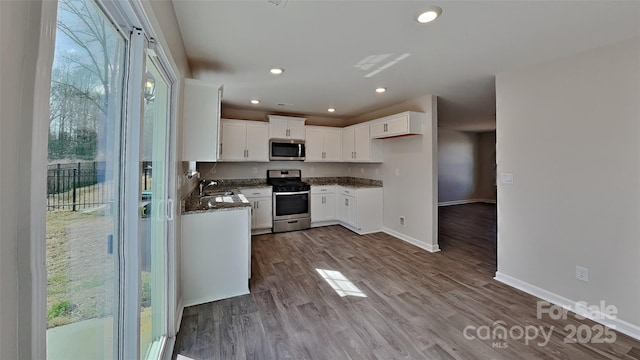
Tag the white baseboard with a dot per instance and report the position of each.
(466, 201)
(616, 324)
(412, 241)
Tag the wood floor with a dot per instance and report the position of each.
(417, 304)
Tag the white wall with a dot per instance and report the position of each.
(486, 166)
(569, 130)
(457, 165)
(414, 193)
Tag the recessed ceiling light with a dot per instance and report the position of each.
(429, 14)
(255, 102)
(276, 71)
(331, 109)
(380, 90)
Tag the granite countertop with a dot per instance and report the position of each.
(343, 181)
(199, 204)
(195, 203)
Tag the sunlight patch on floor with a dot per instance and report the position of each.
(340, 283)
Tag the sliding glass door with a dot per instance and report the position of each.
(154, 166)
(92, 216)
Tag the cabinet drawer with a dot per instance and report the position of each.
(347, 191)
(323, 189)
(256, 192)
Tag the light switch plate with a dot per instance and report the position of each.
(506, 178)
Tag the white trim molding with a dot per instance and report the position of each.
(614, 323)
(411, 240)
(466, 201)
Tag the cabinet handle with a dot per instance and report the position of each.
(287, 132)
(257, 204)
(256, 193)
(355, 154)
(220, 148)
(323, 189)
(247, 152)
(346, 202)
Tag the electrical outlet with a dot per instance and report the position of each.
(255, 170)
(349, 169)
(377, 171)
(361, 170)
(582, 273)
(180, 181)
(402, 220)
(313, 170)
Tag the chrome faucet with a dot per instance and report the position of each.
(205, 184)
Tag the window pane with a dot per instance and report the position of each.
(83, 183)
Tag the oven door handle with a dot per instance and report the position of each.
(290, 193)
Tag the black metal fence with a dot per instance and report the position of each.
(84, 185)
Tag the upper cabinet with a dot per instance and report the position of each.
(357, 145)
(323, 144)
(244, 140)
(406, 123)
(286, 127)
(201, 120)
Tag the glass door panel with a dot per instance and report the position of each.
(83, 183)
(154, 205)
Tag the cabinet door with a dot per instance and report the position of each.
(233, 140)
(362, 143)
(201, 120)
(378, 130)
(348, 144)
(314, 144)
(398, 125)
(352, 211)
(317, 207)
(329, 212)
(262, 218)
(342, 208)
(278, 128)
(257, 143)
(332, 145)
(296, 129)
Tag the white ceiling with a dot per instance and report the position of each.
(319, 43)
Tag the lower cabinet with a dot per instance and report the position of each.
(323, 205)
(261, 209)
(357, 209)
(216, 253)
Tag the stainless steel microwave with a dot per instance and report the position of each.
(286, 149)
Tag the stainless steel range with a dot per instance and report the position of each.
(291, 200)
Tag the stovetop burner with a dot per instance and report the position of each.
(286, 181)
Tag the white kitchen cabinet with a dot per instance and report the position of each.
(244, 140)
(323, 205)
(357, 145)
(323, 144)
(286, 127)
(216, 255)
(201, 120)
(261, 209)
(406, 123)
(360, 209)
